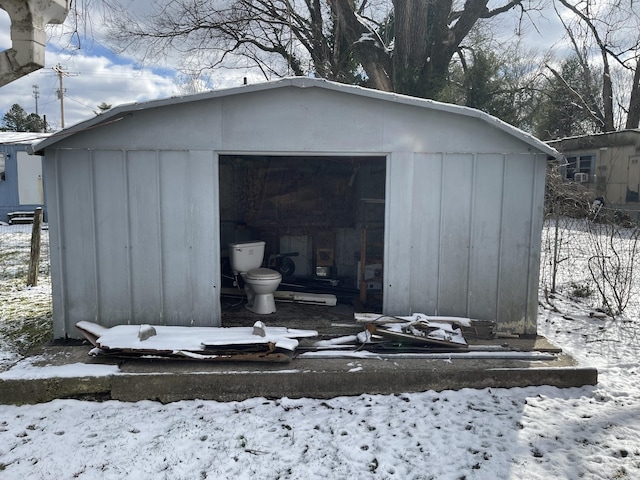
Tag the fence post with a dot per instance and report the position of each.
(34, 259)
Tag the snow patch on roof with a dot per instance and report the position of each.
(22, 138)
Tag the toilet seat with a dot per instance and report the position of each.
(260, 274)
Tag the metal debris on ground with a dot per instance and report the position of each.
(470, 327)
(249, 344)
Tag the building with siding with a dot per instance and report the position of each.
(21, 174)
(608, 164)
(440, 207)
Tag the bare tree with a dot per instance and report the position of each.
(280, 37)
(613, 263)
(606, 35)
(426, 36)
(393, 45)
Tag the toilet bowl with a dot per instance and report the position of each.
(259, 283)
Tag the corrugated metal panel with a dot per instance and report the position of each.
(399, 244)
(514, 293)
(54, 198)
(111, 227)
(537, 222)
(467, 245)
(486, 231)
(138, 238)
(425, 228)
(145, 219)
(455, 205)
(77, 243)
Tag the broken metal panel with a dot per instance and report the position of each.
(535, 242)
(258, 343)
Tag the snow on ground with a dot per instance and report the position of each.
(519, 433)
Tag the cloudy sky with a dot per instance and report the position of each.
(96, 75)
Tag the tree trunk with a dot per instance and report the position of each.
(633, 116)
(423, 46)
(371, 54)
(607, 94)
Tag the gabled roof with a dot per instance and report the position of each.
(118, 112)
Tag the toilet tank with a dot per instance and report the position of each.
(245, 256)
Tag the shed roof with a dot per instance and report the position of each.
(22, 138)
(119, 112)
(629, 136)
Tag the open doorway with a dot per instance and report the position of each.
(322, 218)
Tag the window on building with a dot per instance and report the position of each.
(580, 168)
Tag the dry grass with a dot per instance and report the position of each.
(25, 312)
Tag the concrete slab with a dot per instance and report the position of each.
(173, 380)
(312, 377)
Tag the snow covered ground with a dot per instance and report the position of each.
(520, 433)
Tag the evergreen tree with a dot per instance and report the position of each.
(17, 120)
(103, 107)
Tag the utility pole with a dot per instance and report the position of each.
(61, 74)
(36, 95)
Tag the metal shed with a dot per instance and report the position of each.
(21, 175)
(143, 198)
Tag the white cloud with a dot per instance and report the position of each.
(96, 75)
(5, 38)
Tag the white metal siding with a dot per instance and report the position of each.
(462, 231)
(138, 238)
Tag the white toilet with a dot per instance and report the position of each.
(259, 283)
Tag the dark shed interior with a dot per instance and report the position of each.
(322, 218)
